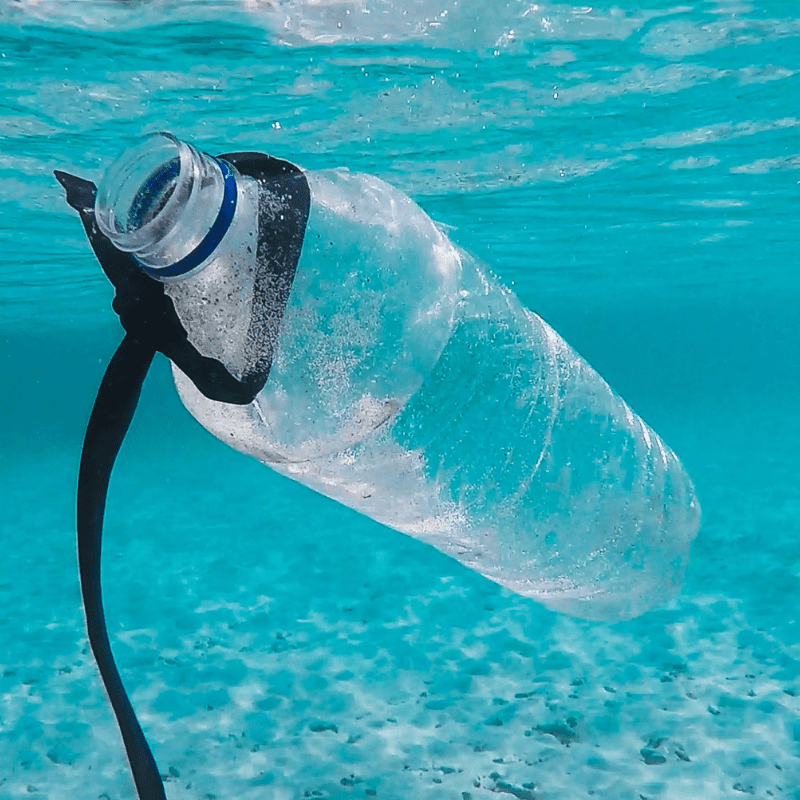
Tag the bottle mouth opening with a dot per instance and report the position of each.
(140, 194)
(167, 204)
(153, 195)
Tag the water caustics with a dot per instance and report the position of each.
(630, 172)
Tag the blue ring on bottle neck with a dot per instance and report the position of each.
(212, 238)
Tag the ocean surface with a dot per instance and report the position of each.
(633, 171)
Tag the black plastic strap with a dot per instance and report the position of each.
(111, 416)
(151, 324)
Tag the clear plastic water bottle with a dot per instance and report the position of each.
(410, 385)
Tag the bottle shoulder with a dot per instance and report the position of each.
(365, 199)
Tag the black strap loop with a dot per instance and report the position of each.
(147, 312)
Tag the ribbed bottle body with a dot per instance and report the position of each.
(411, 386)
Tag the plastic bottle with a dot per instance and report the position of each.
(408, 384)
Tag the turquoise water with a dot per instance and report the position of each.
(633, 171)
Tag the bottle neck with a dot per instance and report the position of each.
(167, 204)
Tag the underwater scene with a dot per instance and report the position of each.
(514, 508)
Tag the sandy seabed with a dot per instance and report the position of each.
(277, 645)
